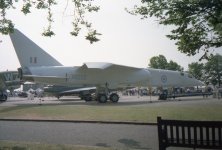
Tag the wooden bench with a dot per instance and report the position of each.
(190, 134)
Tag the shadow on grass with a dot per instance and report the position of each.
(13, 148)
(13, 108)
(102, 145)
(130, 143)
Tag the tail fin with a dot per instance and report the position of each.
(30, 54)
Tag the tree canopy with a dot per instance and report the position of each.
(209, 72)
(81, 7)
(213, 70)
(197, 23)
(160, 62)
(196, 69)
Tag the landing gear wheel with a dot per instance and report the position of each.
(3, 98)
(87, 98)
(114, 97)
(102, 98)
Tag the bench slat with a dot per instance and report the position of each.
(219, 136)
(201, 136)
(165, 134)
(207, 136)
(177, 135)
(171, 134)
(195, 135)
(213, 136)
(183, 135)
(189, 134)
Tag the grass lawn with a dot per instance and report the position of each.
(147, 112)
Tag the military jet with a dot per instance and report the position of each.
(40, 67)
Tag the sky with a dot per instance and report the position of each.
(125, 40)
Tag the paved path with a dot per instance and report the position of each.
(105, 135)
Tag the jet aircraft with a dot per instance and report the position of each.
(40, 67)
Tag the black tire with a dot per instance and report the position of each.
(88, 98)
(114, 97)
(3, 97)
(162, 97)
(102, 98)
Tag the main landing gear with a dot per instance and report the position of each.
(102, 95)
(103, 98)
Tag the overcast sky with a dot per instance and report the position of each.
(125, 40)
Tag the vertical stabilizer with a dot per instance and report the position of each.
(30, 54)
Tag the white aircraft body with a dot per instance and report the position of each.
(40, 67)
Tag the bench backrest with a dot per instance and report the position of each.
(193, 134)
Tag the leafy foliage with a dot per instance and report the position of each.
(174, 66)
(210, 72)
(81, 7)
(160, 62)
(197, 70)
(213, 70)
(197, 23)
(6, 25)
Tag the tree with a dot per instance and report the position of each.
(174, 66)
(81, 7)
(213, 70)
(210, 72)
(196, 70)
(160, 62)
(197, 23)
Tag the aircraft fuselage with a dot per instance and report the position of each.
(112, 77)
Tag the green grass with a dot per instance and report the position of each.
(11, 145)
(192, 110)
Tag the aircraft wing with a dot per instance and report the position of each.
(76, 91)
(110, 66)
(45, 79)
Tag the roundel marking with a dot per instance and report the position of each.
(164, 78)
